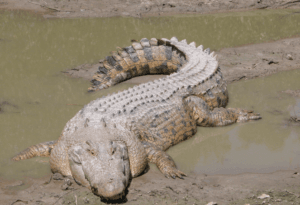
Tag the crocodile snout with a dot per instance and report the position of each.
(112, 190)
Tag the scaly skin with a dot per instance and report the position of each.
(117, 135)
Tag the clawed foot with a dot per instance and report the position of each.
(246, 115)
(173, 172)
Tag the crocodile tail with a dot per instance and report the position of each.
(155, 56)
(39, 150)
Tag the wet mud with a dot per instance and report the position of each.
(152, 188)
(140, 8)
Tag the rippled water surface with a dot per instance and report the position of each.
(37, 100)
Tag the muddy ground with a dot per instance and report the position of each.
(238, 63)
(153, 188)
(140, 8)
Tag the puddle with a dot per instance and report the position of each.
(39, 99)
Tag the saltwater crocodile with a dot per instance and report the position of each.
(113, 138)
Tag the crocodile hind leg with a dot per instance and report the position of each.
(163, 161)
(206, 117)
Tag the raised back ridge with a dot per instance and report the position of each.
(198, 67)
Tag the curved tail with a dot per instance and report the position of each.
(39, 150)
(155, 56)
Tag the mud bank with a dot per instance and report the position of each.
(139, 8)
(245, 62)
(153, 188)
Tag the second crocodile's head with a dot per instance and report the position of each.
(101, 166)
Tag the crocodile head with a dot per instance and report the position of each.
(101, 166)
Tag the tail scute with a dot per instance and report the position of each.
(40, 150)
(154, 56)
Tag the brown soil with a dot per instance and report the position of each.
(153, 188)
(238, 63)
(139, 8)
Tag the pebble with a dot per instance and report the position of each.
(263, 196)
(212, 203)
(289, 57)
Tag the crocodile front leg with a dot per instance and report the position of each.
(163, 161)
(206, 117)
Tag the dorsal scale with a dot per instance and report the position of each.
(200, 66)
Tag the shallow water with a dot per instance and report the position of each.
(37, 99)
(262, 146)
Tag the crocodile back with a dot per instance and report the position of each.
(197, 73)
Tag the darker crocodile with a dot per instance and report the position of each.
(113, 138)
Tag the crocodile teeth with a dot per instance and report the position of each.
(174, 39)
(193, 44)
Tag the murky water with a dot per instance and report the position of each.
(262, 146)
(37, 100)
